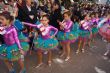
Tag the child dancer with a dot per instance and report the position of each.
(12, 50)
(66, 36)
(75, 28)
(104, 31)
(95, 20)
(45, 41)
(95, 29)
(84, 33)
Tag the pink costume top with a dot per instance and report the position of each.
(97, 20)
(11, 37)
(45, 30)
(94, 21)
(85, 25)
(67, 25)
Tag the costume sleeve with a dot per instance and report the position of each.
(32, 25)
(16, 38)
(68, 25)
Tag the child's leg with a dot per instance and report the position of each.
(64, 49)
(92, 39)
(9, 65)
(67, 51)
(49, 57)
(21, 63)
(39, 53)
(94, 35)
(79, 45)
(89, 42)
(83, 44)
(89, 39)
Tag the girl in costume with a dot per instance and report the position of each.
(84, 33)
(45, 41)
(103, 26)
(104, 31)
(94, 22)
(66, 36)
(12, 50)
(75, 28)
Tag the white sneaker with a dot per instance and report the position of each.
(38, 65)
(83, 50)
(67, 59)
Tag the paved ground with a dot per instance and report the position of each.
(89, 62)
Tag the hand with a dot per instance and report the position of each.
(2, 31)
(60, 23)
(52, 36)
(31, 16)
(22, 52)
(23, 23)
(61, 28)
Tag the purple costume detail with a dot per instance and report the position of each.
(96, 20)
(11, 37)
(67, 34)
(45, 40)
(85, 25)
(67, 25)
(45, 30)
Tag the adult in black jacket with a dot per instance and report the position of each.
(55, 16)
(20, 5)
(27, 12)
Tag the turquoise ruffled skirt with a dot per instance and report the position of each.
(84, 33)
(45, 44)
(68, 36)
(12, 52)
(94, 30)
(3, 51)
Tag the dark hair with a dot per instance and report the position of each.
(93, 13)
(75, 19)
(68, 13)
(7, 15)
(47, 16)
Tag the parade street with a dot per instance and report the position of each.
(92, 61)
